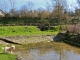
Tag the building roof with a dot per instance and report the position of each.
(2, 14)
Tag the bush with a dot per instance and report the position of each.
(74, 28)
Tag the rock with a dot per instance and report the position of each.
(56, 39)
(59, 37)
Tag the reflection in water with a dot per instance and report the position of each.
(70, 55)
(49, 51)
(35, 54)
(43, 54)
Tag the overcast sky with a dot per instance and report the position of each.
(37, 3)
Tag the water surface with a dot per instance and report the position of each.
(56, 52)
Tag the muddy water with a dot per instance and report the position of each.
(49, 51)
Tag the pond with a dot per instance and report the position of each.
(49, 51)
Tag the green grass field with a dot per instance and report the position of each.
(24, 30)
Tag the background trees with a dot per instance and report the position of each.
(57, 12)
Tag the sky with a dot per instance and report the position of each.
(38, 3)
(72, 4)
(42, 3)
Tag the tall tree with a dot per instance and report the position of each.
(59, 9)
(30, 5)
(12, 3)
(24, 11)
(39, 10)
(12, 7)
(48, 7)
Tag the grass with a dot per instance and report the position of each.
(24, 30)
(0, 48)
(6, 56)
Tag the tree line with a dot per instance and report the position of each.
(56, 13)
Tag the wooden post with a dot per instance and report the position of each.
(60, 55)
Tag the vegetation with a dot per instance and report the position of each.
(6, 56)
(26, 21)
(56, 14)
(24, 30)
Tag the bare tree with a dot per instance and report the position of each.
(48, 7)
(45, 14)
(35, 13)
(59, 9)
(39, 10)
(78, 9)
(12, 7)
(30, 5)
(12, 3)
(78, 1)
(24, 11)
(4, 6)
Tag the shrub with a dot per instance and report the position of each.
(73, 28)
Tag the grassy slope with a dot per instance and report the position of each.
(23, 30)
(6, 56)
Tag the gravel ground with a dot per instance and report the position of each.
(28, 39)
